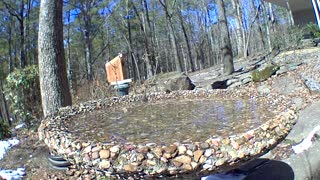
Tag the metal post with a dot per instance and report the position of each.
(316, 11)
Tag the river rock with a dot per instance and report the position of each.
(171, 149)
(104, 154)
(104, 164)
(182, 149)
(197, 154)
(183, 159)
(115, 149)
(130, 168)
(95, 155)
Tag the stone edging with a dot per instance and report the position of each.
(151, 160)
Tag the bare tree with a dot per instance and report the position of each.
(226, 50)
(52, 67)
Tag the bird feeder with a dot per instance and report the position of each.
(117, 75)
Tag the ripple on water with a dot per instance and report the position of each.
(170, 121)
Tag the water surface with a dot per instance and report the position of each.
(170, 121)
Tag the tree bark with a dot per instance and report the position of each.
(239, 27)
(52, 67)
(226, 50)
(173, 41)
(3, 106)
(186, 38)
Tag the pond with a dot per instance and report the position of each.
(165, 122)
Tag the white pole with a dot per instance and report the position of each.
(316, 11)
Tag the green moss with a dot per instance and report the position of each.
(263, 74)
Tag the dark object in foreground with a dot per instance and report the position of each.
(57, 162)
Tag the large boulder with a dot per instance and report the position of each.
(264, 73)
(168, 82)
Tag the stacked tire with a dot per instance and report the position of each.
(57, 162)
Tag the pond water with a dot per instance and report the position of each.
(170, 121)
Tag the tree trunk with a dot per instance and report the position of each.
(267, 27)
(173, 41)
(69, 64)
(23, 61)
(186, 38)
(10, 45)
(52, 68)
(3, 106)
(226, 50)
(239, 27)
(290, 16)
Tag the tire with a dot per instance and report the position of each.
(58, 162)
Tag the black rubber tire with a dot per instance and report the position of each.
(58, 161)
(56, 158)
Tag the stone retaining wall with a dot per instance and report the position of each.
(152, 160)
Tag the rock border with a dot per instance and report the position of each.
(151, 160)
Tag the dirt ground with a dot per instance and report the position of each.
(32, 155)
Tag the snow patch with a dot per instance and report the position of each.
(19, 126)
(306, 143)
(12, 174)
(6, 145)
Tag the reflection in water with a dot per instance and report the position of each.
(169, 121)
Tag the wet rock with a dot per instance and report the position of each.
(95, 155)
(130, 168)
(202, 159)
(189, 152)
(115, 149)
(204, 145)
(197, 154)
(140, 157)
(85, 144)
(157, 151)
(151, 162)
(208, 153)
(104, 154)
(176, 163)
(187, 167)
(225, 141)
(167, 155)
(194, 165)
(96, 149)
(171, 149)
(143, 150)
(182, 149)
(183, 159)
(235, 145)
(220, 162)
(104, 164)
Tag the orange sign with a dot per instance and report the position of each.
(116, 70)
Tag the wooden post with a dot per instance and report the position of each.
(3, 106)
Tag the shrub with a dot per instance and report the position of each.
(313, 30)
(22, 90)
